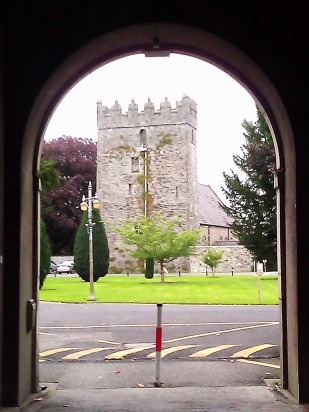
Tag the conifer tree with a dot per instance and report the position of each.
(100, 248)
(149, 268)
(45, 253)
(251, 194)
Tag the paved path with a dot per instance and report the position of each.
(129, 387)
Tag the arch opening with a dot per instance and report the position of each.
(194, 43)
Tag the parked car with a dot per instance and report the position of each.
(66, 267)
(53, 267)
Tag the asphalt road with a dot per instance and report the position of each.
(96, 332)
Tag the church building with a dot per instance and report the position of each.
(147, 162)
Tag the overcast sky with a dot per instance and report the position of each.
(222, 105)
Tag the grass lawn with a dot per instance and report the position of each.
(225, 290)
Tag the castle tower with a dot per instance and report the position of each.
(152, 151)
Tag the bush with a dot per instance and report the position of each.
(100, 248)
(116, 270)
(45, 254)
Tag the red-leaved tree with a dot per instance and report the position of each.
(76, 162)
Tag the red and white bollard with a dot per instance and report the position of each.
(158, 382)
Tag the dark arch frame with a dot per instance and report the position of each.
(205, 46)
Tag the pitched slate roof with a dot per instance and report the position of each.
(209, 208)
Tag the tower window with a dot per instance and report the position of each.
(142, 138)
(192, 137)
(130, 189)
(176, 192)
(135, 164)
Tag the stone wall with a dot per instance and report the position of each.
(235, 258)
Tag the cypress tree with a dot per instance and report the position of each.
(45, 254)
(100, 248)
(251, 194)
(149, 269)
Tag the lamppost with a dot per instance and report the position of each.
(144, 150)
(89, 203)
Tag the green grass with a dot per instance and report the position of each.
(225, 290)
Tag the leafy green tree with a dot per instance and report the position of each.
(76, 163)
(212, 258)
(251, 196)
(158, 238)
(49, 177)
(100, 248)
(45, 254)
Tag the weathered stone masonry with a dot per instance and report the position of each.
(170, 167)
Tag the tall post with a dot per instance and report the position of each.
(145, 189)
(90, 231)
(158, 382)
(89, 203)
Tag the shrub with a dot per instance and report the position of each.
(116, 270)
(212, 258)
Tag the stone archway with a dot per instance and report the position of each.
(199, 44)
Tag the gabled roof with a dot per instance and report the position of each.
(209, 208)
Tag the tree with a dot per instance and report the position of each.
(100, 248)
(149, 268)
(252, 198)
(45, 254)
(212, 258)
(76, 163)
(158, 238)
(49, 177)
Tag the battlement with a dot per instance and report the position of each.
(184, 112)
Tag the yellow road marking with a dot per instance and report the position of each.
(108, 341)
(202, 353)
(220, 331)
(153, 325)
(77, 355)
(167, 351)
(209, 351)
(258, 363)
(245, 353)
(45, 333)
(53, 351)
(122, 353)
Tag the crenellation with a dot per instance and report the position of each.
(184, 112)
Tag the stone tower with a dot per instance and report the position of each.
(153, 152)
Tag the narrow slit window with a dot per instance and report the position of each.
(142, 138)
(176, 192)
(130, 188)
(135, 164)
(192, 137)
